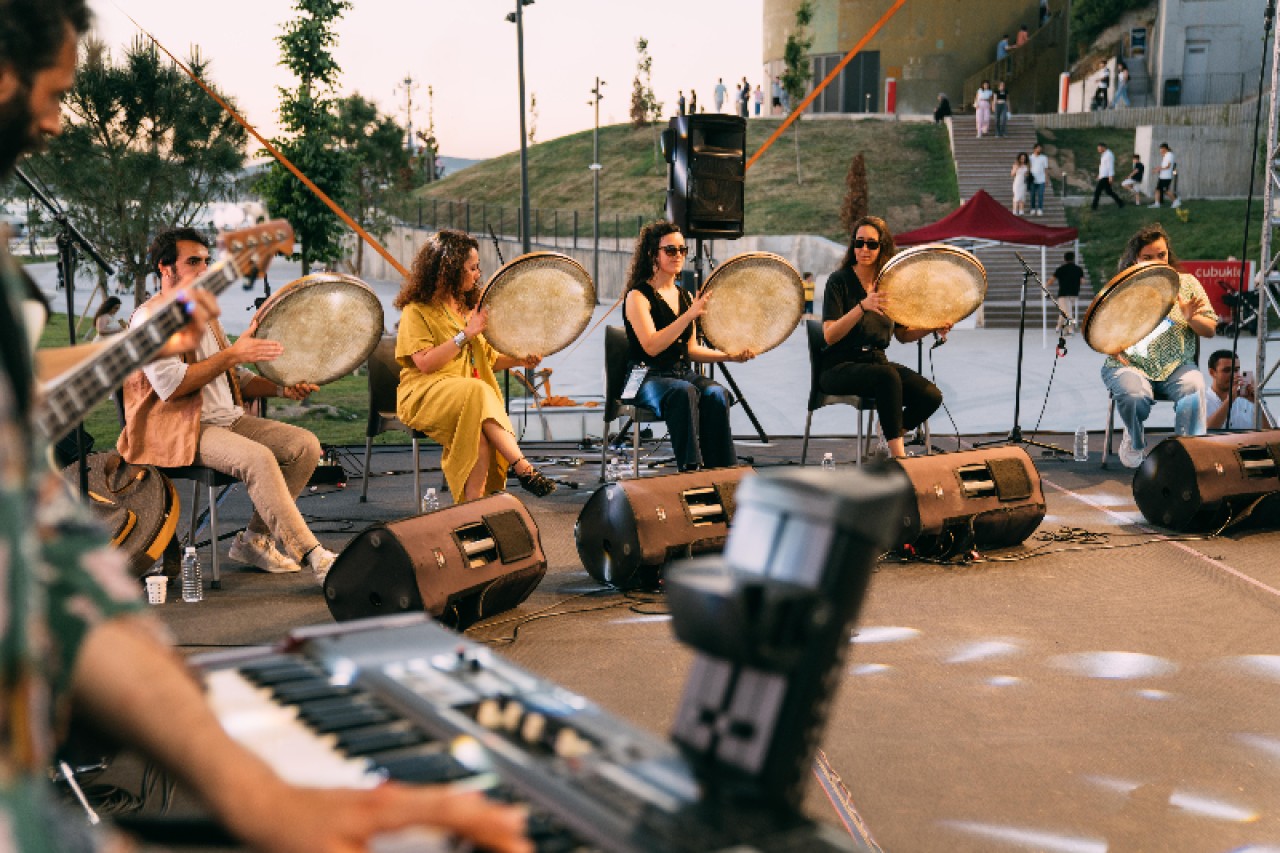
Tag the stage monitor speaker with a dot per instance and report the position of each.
(1198, 483)
(629, 530)
(461, 564)
(987, 498)
(706, 176)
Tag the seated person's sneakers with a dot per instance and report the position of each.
(320, 559)
(1129, 457)
(535, 482)
(257, 549)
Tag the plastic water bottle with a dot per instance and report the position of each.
(430, 503)
(1081, 449)
(828, 462)
(611, 470)
(192, 591)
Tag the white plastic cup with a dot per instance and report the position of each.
(157, 588)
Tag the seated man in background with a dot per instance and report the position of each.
(180, 411)
(1224, 371)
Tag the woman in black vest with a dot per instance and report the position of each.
(659, 318)
(857, 334)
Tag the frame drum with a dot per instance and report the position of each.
(757, 299)
(328, 322)
(1130, 307)
(538, 304)
(932, 285)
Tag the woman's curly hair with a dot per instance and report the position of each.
(646, 254)
(887, 247)
(1147, 235)
(437, 270)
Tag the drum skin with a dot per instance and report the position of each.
(757, 300)
(931, 286)
(328, 322)
(538, 304)
(1130, 307)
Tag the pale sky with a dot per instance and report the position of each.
(466, 51)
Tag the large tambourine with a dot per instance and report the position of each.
(328, 323)
(932, 285)
(757, 299)
(1130, 307)
(538, 304)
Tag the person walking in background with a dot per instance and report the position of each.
(680, 103)
(1068, 276)
(1001, 98)
(1164, 178)
(693, 102)
(943, 109)
(1002, 48)
(1102, 83)
(1039, 164)
(718, 94)
(1133, 183)
(809, 285)
(982, 105)
(737, 99)
(1106, 174)
(1021, 174)
(105, 321)
(1044, 11)
(1122, 85)
(744, 99)
(758, 98)
(775, 91)
(1023, 36)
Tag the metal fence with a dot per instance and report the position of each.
(552, 227)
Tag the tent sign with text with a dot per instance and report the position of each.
(1218, 279)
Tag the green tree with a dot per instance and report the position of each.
(143, 148)
(645, 106)
(1091, 17)
(380, 167)
(796, 76)
(426, 165)
(309, 118)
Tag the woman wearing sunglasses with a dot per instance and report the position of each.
(857, 333)
(660, 321)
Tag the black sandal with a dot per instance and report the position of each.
(533, 480)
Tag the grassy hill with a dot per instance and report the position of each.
(909, 174)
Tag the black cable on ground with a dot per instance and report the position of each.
(631, 600)
(933, 377)
(1059, 353)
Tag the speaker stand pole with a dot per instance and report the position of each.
(1015, 434)
(728, 377)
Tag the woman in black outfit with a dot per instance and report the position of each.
(659, 318)
(857, 334)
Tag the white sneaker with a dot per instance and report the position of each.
(256, 549)
(1177, 202)
(1129, 457)
(1154, 205)
(320, 559)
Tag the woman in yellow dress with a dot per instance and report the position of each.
(447, 387)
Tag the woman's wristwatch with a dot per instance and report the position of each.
(460, 340)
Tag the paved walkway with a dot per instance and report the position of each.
(975, 371)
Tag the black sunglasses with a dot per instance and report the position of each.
(858, 243)
(672, 251)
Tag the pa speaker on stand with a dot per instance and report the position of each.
(708, 166)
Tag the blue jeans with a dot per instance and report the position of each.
(696, 410)
(1134, 394)
(1037, 196)
(1002, 119)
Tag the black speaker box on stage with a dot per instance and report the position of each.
(1198, 483)
(705, 187)
(987, 498)
(628, 531)
(461, 564)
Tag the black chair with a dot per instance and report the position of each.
(199, 475)
(818, 398)
(616, 351)
(384, 378)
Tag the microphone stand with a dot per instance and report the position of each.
(69, 238)
(1015, 434)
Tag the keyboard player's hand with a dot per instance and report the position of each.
(315, 820)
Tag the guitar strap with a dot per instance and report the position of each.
(233, 378)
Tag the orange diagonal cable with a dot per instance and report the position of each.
(795, 114)
(271, 149)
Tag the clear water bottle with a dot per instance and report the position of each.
(1081, 448)
(611, 470)
(828, 462)
(430, 502)
(192, 590)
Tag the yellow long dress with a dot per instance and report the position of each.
(450, 404)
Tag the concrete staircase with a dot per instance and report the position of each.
(984, 164)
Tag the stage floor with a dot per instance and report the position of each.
(1108, 692)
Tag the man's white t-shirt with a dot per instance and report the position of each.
(1241, 415)
(1039, 167)
(1166, 166)
(1107, 165)
(217, 407)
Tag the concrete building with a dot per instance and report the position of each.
(1206, 51)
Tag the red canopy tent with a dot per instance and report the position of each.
(982, 218)
(983, 221)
